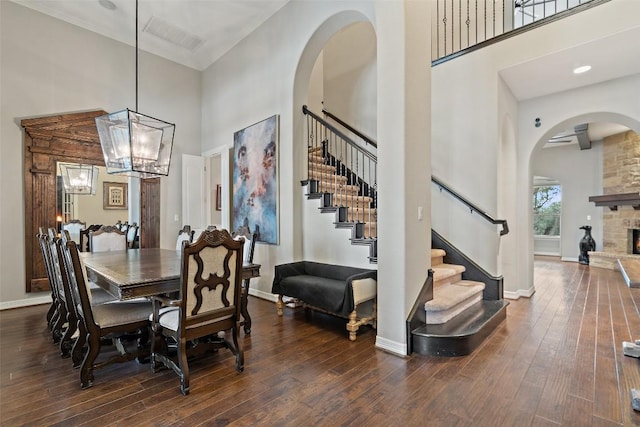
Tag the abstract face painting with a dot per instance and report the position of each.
(255, 179)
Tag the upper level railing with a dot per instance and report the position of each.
(461, 26)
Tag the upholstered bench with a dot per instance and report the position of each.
(334, 289)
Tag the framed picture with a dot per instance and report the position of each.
(114, 195)
(218, 197)
(255, 179)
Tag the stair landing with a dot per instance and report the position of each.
(462, 334)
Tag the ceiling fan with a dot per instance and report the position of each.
(580, 136)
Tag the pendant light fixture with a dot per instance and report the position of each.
(135, 144)
(79, 179)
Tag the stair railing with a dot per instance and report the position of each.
(471, 206)
(367, 140)
(344, 172)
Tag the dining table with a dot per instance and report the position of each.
(146, 272)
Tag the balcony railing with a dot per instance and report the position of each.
(464, 25)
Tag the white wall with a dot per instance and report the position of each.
(50, 67)
(350, 77)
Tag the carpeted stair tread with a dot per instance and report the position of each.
(452, 299)
(444, 271)
(436, 253)
(327, 176)
(350, 200)
(321, 167)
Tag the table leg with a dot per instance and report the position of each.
(243, 307)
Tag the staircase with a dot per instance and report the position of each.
(458, 317)
(343, 175)
(341, 194)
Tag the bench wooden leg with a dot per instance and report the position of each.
(353, 325)
(280, 305)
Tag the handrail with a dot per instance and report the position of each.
(365, 138)
(333, 129)
(492, 220)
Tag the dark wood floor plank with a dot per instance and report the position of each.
(556, 361)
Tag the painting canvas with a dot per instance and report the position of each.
(255, 179)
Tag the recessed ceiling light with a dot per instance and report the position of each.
(582, 69)
(108, 4)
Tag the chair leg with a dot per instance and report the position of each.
(67, 341)
(238, 348)
(243, 306)
(77, 353)
(58, 324)
(184, 366)
(51, 313)
(86, 370)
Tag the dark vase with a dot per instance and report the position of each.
(586, 244)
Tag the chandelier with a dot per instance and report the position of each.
(79, 179)
(135, 144)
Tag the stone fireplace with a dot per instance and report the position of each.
(621, 224)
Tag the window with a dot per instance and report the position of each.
(547, 206)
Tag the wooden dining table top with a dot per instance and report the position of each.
(141, 272)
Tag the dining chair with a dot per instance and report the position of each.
(107, 238)
(53, 314)
(132, 236)
(120, 322)
(74, 227)
(84, 237)
(185, 234)
(247, 258)
(73, 340)
(209, 303)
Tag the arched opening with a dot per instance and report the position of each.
(574, 155)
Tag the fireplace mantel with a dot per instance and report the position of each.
(615, 200)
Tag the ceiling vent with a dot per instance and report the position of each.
(165, 31)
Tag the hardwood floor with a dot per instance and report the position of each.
(556, 360)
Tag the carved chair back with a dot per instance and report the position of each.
(85, 242)
(53, 313)
(185, 234)
(132, 236)
(74, 227)
(108, 238)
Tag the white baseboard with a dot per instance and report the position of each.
(569, 259)
(393, 347)
(25, 302)
(546, 253)
(264, 295)
(527, 293)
